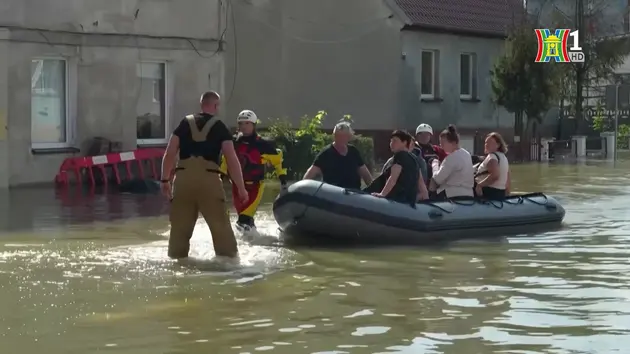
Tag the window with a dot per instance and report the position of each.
(427, 80)
(467, 75)
(151, 106)
(49, 103)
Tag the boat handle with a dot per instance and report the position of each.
(348, 191)
(551, 206)
(434, 214)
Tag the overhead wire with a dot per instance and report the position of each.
(104, 34)
(221, 38)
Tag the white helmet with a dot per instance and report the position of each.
(247, 116)
(424, 128)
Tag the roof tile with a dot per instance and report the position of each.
(475, 16)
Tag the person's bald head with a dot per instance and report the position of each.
(209, 102)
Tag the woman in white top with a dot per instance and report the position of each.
(493, 174)
(455, 176)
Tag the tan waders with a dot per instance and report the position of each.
(198, 188)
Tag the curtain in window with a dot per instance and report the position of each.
(48, 101)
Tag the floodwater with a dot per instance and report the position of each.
(83, 274)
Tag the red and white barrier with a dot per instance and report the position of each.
(78, 165)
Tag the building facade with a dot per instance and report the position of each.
(446, 80)
(450, 48)
(125, 71)
(287, 59)
(376, 60)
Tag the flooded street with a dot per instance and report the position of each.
(82, 275)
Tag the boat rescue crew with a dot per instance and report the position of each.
(254, 152)
(417, 171)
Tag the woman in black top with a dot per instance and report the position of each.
(402, 176)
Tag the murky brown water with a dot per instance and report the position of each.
(81, 276)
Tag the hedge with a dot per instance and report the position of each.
(300, 145)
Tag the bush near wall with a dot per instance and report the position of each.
(301, 144)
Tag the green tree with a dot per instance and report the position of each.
(521, 86)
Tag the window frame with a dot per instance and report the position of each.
(69, 123)
(433, 74)
(471, 72)
(160, 141)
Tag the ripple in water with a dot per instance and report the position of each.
(560, 292)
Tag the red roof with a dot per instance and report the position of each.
(492, 17)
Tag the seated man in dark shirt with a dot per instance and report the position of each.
(340, 163)
(402, 176)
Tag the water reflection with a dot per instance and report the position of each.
(46, 209)
(90, 275)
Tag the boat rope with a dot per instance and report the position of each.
(529, 197)
(439, 207)
(303, 213)
(495, 203)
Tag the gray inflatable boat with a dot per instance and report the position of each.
(314, 212)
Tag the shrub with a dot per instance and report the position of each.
(602, 123)
(301, 145)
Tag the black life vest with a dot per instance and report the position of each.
(429, 154)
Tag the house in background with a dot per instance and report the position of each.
(388, 63)
(449, 48)
(115, 69)
(128, 72)
(287, 59)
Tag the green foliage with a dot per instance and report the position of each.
(519, 84)
(301, 145)
(602, 123)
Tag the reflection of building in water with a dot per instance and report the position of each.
(41, 209)
(477, 295)
(107, 68)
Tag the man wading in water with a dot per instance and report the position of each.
(197, 187)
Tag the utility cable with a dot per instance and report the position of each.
(221, 38)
